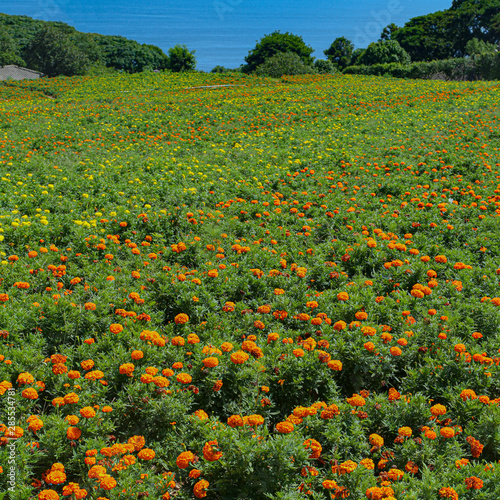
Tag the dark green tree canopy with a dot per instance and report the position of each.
(340, 52)
(52, 52)
(91, 49)
(8, 50)
(445, 34)
(384, 52)
(388, 31)
(181, 59)
(276, 42)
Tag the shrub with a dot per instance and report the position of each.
(325, 66)
(284, 63)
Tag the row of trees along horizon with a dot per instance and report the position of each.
(468, 29)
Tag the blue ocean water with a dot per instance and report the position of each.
(222, 32)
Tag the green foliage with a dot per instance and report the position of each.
(8, 50)
(275, 43)
(388, 31)
(340, 52)
(484, 67)
(283, 63)
(71, 52)
(181, 59)
(325, 67)
(384, 53)
(445, 34)
(219, 69)
(52, 52)
(477, 47)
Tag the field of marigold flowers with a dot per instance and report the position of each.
(272, 289)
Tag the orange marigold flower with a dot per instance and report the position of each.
(146, 454)
(209, 453)
(184, 459)
(29, 393)
(115, 328)
(55, 477)
(335, 365)
(405, 431)
(87, 412)
(71, 398)
(235, 421)
(200, 487)
(448, 493)
(468, 394)
(59, 368)
(430, 434)
(137, 442)
(48, 495)
(339, 325)
(438, 410)
(356, 400)
(127, 369)
(329, 484)
(137, 355)
(376, 440)
(107, 482)
(184, 378)
(474, 483)
(285, 427)
(73, 433)
(342, 296)
(25, 378)
(254, 420)
(211, 362)
(441, 259)
(447, 432)
(181, 318)
(239, 357)
(314, 446)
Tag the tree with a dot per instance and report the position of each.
(274, 43)
(477, 47)
(8, 52)
(52, 52)
(383, 53)
(284, 63)
(356, 55)
(340, 52)
(388, 31)
(180, 59)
